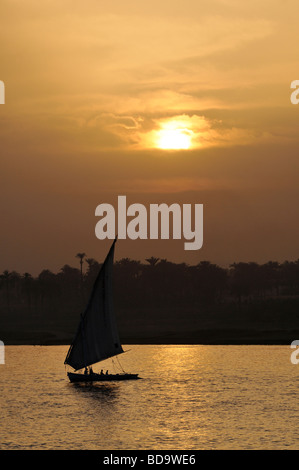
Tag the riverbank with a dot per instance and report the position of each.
(209, 337)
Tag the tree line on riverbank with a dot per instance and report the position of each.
(156, 283)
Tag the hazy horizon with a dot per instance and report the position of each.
(186, 104)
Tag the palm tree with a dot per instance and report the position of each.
(152, 260)
(81, 256)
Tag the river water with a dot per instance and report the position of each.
(189, 398)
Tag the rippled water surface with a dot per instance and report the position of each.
(190, 397)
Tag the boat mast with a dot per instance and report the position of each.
(83, 340)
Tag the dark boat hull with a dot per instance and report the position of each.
(100, 377)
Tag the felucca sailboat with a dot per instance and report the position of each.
(97, 336)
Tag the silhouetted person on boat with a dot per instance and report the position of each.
(90, 370)
(85, 371)
(106, 372)
(102, 373)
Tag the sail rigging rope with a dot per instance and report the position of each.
(119, 364)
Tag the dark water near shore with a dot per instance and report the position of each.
(190, 398)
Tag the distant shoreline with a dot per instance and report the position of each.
(203, 337)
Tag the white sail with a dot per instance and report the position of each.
(97, 336)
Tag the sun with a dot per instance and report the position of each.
(176, 133)
(174, 139)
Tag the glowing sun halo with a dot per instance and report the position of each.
(174, 139)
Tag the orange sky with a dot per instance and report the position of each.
(89, 88)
